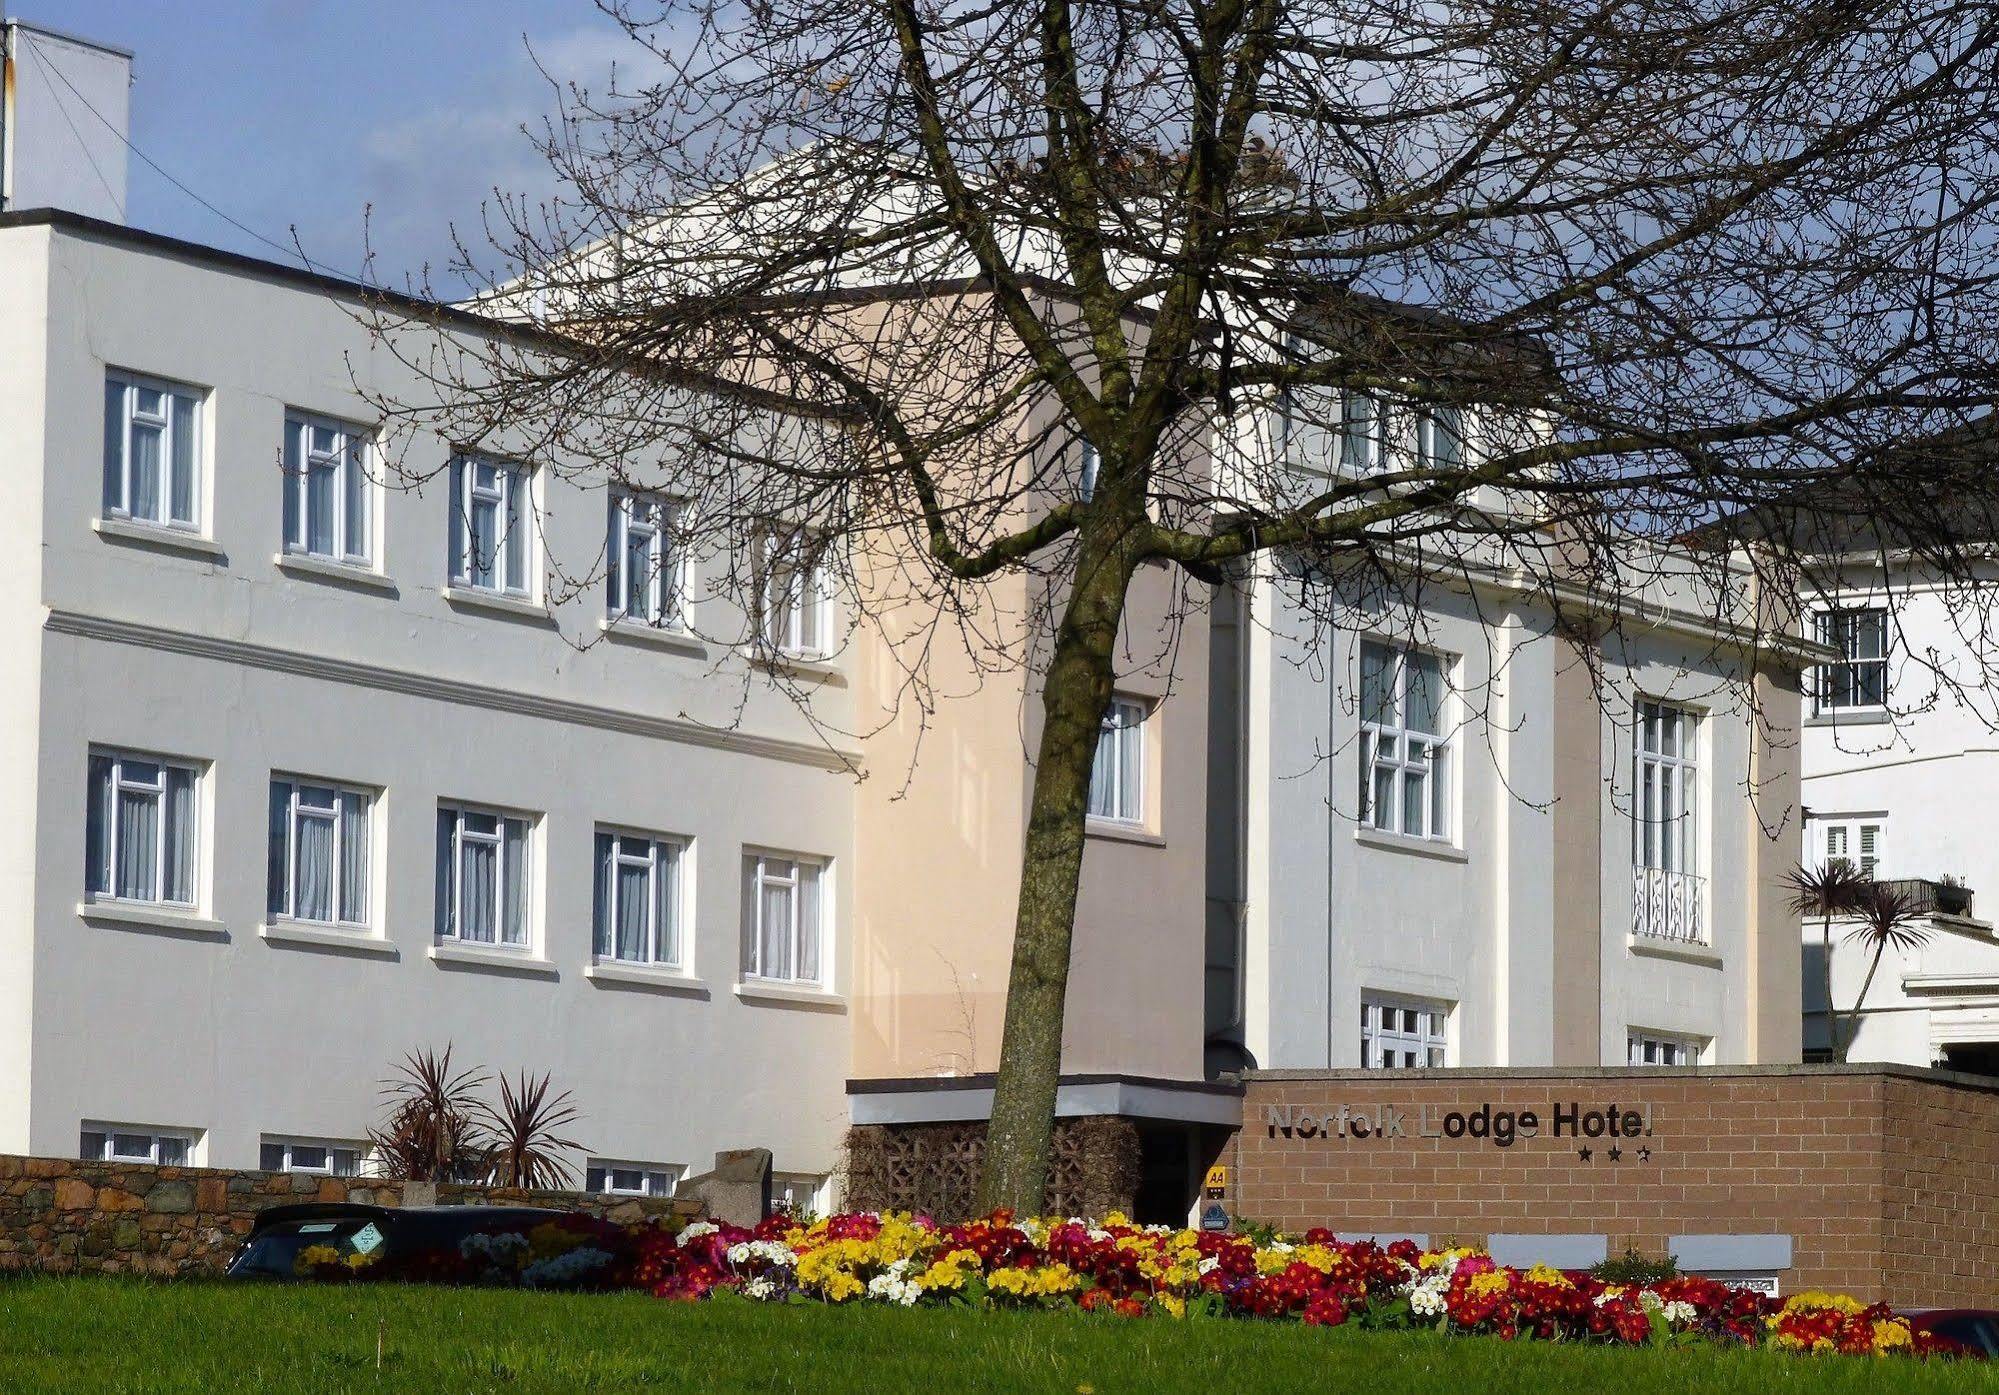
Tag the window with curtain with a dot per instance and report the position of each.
(135, 1143)
(491, 525)
(1363, 433)
(318, 855)
(783, 925)
(326, 489)
(637, 905)
(793, 593)
(1405, 748)
(643, 564)
(152, 451)
(631, 1179)
(1117, 778)
(1402, 1033)
(314, 1157)
(141, 829)
(1440, 438)
(1859, 678)
(1666, 789)
(1664, 1049)
(482, 877)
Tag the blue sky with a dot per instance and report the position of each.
(287, 113)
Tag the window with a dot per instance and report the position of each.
(630, 1179)
(318, 856)
(1856, 841)
(313, 1156)
(638, 898)
(1662, 1049)
(1398, 1033)
(482, 877)
(1404, 751)
(797, 1193)
(139, 839)
(1667, 796)
(1440, 438)
(136, 1143)
(644, 566)
(326, 489)
(1086, 489)
(1859, 678)
(782, 918)
(152, 451)
(1117, 780)
(490, 528)
(793, 594)
(1363, 433)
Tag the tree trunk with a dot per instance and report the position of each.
(1861, 997)
(1073, 704)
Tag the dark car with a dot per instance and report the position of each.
(1974, 1329)
(372, 1234)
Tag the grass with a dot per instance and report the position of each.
(94, 1335)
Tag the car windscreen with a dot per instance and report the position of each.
(290, 1248)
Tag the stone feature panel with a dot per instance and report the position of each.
(1885, 1180)
(60, 1215)
(934, 1168)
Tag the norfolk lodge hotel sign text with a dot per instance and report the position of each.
(1501, 1128)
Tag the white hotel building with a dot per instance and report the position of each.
(312, 771)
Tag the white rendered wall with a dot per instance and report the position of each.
(245, 668)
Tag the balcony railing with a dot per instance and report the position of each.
(1927, 897)
(1669, 905)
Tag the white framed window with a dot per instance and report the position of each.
(137, 1143)
(327, 489)
(492, 525)
(784, 928)
(483, 876)
(319, 851)
(1363, 433)
(1117, 777)
(152, 451)
(637, 908)
(1440, 438)
(1405, 751)
(1855, 840)
(141, 831)
(313, 1156)
(1859, 678)
(798, 1193)
(1402, 1033)
(1664, 1049)
(645, 579)
(631, 1178)
(1666, 782)
(1092, 465)
(794, 594)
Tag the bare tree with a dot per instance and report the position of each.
(980, 313)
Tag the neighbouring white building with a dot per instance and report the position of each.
(311, 771)
(1901, 778)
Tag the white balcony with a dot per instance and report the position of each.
(1669, 905)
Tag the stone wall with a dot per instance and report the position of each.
(934, 1168)
(62, 1215)
(1885, 1180)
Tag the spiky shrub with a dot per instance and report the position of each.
(430, 1133)
(523, 1139)
(1827, 893)
(1885, 918)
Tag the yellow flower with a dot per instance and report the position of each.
(1490, 1283)
(1548, 1274)
(1171, 1304)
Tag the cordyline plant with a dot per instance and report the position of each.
(1827, 892)
(1005, 313)
(523, 1141)
(1885, 917)
(431, 1133)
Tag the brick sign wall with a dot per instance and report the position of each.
(62, 1215)
(1886, 1181)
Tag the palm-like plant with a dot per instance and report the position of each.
(430, 1133)
(1827, 893)
(1885, 918)
(523, 1134)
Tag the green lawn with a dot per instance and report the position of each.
(112, 1335)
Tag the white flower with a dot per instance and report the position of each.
(769, 1251)
(1098, 1234)
(1426, 1295)
(1679, 1312)
(569, 1268)
(1281, 1247)
(1209, 1265)
(1650, 1301)
(695, 1230)
(891, 1287)
(763, 1288)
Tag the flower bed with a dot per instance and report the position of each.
(1136, 1271)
